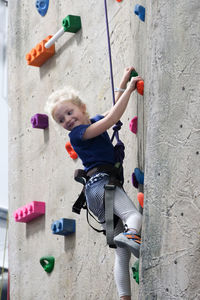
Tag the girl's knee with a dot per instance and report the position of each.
(134, 221)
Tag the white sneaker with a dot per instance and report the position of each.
(129, 239)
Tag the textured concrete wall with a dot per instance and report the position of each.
(170, 251)
(39, 167)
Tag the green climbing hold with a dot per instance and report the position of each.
(133, 74)
(135, 270)
(47, 262)
(71, 23)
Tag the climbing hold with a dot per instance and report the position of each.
(40, 121)
(134, 181)
(139, 10)
(70, 24)
(71, 151)
(47, 262)
(133, 125)
(119, 0)
(39, 55)
(63, 226)
(140, 87)
(29, 212)
(139, 175)
(140, 197)
(135, 270)
(139, 84)
(133, 74)
(42, 6)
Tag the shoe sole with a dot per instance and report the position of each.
(123, 242)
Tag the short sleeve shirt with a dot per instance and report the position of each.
(93, 152)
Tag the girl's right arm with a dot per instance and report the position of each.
(122, 85)
(115, 113)
(124, 81)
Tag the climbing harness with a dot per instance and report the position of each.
(115, 172)
(115, 179)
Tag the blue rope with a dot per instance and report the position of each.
(119, 147)
(109, 52)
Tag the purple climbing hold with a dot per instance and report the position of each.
(134, 181)
(40, 121)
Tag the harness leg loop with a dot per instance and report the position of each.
(109, 213)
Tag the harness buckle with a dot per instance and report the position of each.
(109, 187)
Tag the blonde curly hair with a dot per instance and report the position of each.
(62, 95)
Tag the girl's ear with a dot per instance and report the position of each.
(83, 108)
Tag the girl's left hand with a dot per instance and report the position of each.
(132, 86)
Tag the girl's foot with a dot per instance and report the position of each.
(131, 239)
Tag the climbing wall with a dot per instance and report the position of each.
(170, 258)
(40, 169)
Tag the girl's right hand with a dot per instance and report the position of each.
(132, 85)
(126, 77)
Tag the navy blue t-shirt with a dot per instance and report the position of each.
(93, 152)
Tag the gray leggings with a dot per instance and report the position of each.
(128, 214)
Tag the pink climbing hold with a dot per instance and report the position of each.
(133, 125)
(29, 212)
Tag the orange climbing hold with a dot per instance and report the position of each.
(71, 151)
(39, 55)
(140, 197)
(140, 87)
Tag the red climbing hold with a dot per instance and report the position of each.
(140, 87)
(140, 197)
(71, 151)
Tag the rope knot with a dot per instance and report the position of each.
(117, 126)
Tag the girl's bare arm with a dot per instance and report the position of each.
(114, 115)
(122, 85)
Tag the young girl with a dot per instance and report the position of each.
(91, 142)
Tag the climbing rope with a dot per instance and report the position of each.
(4, 255)
(119, 147)
(109, 52)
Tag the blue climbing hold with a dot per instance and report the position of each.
(63, 226)
(42, 6)
(139, 175)
(140, 12)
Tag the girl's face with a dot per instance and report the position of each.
(69, 115)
